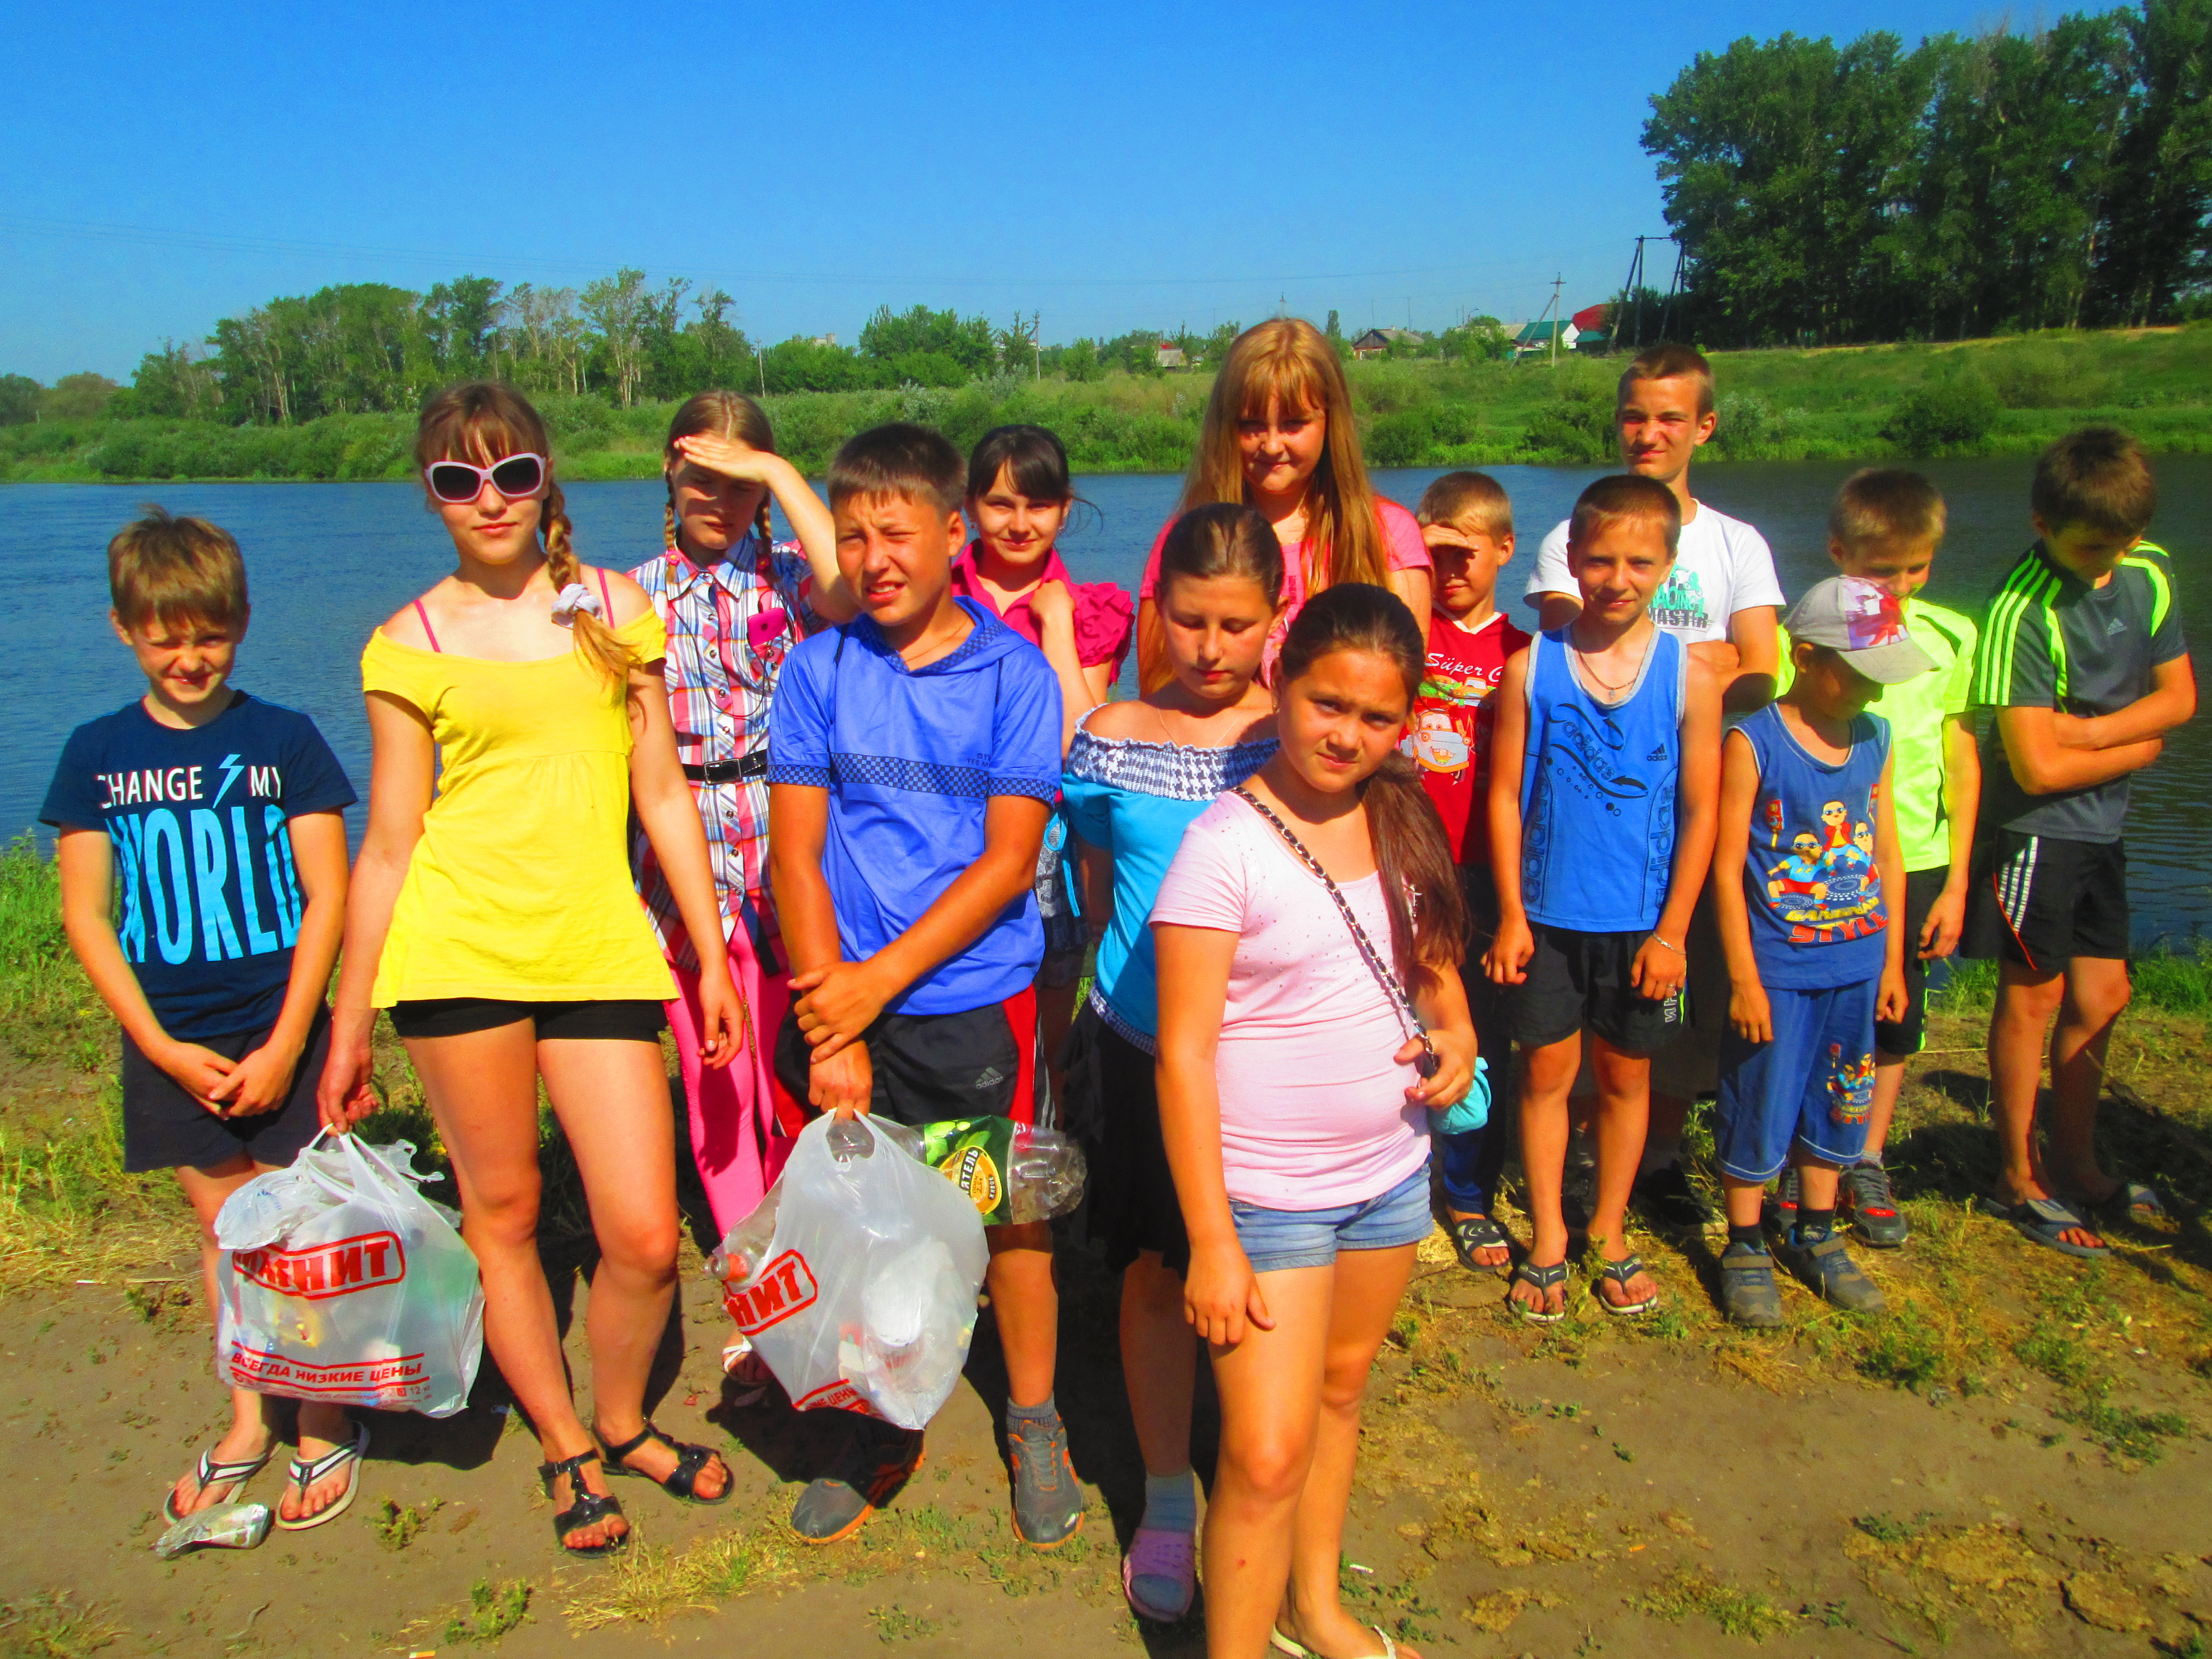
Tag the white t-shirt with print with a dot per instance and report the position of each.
(1722, 566)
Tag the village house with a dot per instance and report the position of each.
(1377, 342)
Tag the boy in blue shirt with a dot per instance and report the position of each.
(1814, 957)
(217, 819)
(915, 754)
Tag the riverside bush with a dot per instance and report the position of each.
(1947, 416)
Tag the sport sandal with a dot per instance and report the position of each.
(1477, 1232)
(680, 1482)
(589, 1507)
(1620, 1272)
(213, 1474)
(301, 1475)
(1544, 1280)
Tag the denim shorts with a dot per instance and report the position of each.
(1275, 1240)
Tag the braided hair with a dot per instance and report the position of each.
(722, 414)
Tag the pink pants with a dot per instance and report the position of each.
(735, 1139)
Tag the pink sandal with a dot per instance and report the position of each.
(1165, 1559)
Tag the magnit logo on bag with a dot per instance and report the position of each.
(359, 1263)
(784, 1287)
(974, 1173)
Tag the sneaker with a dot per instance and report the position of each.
(1829, 1272)
(1750, 1295)
(1779, 1212)
(1048, 1504)
(876, 1460)
(1665, 1198)
(1873, 1208)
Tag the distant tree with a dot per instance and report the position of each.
(1079, 361)
(615, 306)
(76, 398)
(970, 342)
(459, 318)
(175, 381)
(1018, 342)
(2159, 244)
(19, 399)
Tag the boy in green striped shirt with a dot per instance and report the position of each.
(2083, 661)
(1885, 528)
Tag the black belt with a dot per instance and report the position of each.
(754, 765)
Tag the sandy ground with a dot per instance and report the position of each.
(1679, 1490)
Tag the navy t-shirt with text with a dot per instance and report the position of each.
(200, 822)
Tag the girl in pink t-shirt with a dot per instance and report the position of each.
(1279, 436)
(1293, 1109)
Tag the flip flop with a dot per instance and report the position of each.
(2040, 1220)
(1282, 1644)
(305, 1474)
(1477, 1232)
(1549, 1277)
(1620, 1272)
(212, 1474)
(2128, 1203)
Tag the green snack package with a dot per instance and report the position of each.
(976, 1155)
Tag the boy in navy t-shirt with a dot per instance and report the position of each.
(914, 759)
(1806, 871)
(216, 819)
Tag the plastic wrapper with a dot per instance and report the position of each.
(340, 1282)
(855, 1280)
(225, 1527)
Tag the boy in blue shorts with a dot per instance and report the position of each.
(203, 861)
(1804, 876)
(2082, 661)
(915, 754)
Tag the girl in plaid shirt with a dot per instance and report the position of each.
(734, 603)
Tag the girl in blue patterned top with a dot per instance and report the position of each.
(1138, 773)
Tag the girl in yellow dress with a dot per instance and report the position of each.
(517, 715)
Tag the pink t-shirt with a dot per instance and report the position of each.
(1403, 550)
(1314, 1111)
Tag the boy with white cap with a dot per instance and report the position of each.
(1808, 865)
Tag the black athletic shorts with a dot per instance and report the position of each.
(608, 1020)
(931, 1068)
(165, 1128)
(1133, 1196)
(1581, 980)
(2039, 901)
(1904, 1036)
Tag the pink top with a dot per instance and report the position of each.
(1105, 618)
(1403, 550)
(1314, 1111)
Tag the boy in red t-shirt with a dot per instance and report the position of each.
(1467, 523)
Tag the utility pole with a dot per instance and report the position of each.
(1557, 283)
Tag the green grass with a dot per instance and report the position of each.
(53, 1625)
(492, 1610)
(2174, 977)
(1738, 1613)
(1835, 403)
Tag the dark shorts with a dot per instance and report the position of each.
(2040, 901)
(931, 1068)
(614, 1020)
(1811, 1088)
(1904, 1036)
(1133, 1196)
(1063, 936)
(1579, 981)
(165, 1128)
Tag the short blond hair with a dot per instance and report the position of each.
(167, 569)
(1887, 504)
(1669, 362)
(1474, 496)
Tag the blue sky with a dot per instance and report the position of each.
(1137, 165)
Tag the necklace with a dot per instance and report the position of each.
(1582, 657)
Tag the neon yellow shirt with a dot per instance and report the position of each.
(519, 888)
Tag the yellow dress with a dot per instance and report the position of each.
(519, 888)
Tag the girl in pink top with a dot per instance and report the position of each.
(1279, 436)
(1293, 1111)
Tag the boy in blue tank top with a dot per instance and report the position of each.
(1603, 786)
(1807, 866)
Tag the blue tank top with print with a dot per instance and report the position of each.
(1597, 791)
(1816, 903)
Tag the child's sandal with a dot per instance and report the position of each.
(1620, 1272)
(1543, 1279)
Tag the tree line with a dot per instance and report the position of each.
(2010, 180)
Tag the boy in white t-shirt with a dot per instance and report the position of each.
(1723, 599)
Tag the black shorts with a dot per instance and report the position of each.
(2039, 901)
(607, 1020)
(1133, 1196)
(1579, 981)
(932, 1068)
(1904, 1036)
(165, 1128)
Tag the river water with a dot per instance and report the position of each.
(328, 561)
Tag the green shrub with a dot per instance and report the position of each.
(1944, 417)
(1576, 426)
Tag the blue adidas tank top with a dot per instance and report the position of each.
(1597, 791)
(1816, 903)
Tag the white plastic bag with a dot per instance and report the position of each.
(342, 1283)
(863, 1296)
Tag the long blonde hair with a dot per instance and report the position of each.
(483, 420)
(1288, 361)
(724, 414)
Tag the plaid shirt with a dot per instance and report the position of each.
(730, 627)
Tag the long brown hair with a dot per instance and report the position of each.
(1420, 882)
(720, 414)
(483, 420)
